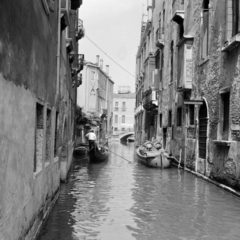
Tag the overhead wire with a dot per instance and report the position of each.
(109, 56)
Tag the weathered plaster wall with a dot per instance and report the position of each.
(23, 193)
(221, 70)
(28, 49)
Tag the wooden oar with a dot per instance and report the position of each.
(117, 155)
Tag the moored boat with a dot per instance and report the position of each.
(131, 139)
(152, 155)
(98, 154)
(81, 150)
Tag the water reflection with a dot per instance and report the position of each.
(122, 200)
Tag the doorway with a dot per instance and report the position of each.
(203, 122)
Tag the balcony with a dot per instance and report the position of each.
(75, 4)
(64, 19)
(232, 43)
(69, 45)
(150, 100)
(185, 64)
(116, 109)
(138, 109)
(80, 31)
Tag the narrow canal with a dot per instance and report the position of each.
(118, 200)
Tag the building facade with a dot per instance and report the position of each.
(196, 49)
(95, 97)
(123, 110)
(38, 97)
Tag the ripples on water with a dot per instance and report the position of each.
(116, 200)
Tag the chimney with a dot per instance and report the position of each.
(101, 64)
(107, 69)
(97, 60)
(149, 9)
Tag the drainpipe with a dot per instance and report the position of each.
(197, 132)
(185, 138)
(58, 47)
(207, 144)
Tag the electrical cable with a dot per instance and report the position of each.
(109, 56)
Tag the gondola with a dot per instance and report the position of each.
(81, 150)
(98, 154)
(152, 156)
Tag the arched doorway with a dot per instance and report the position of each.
(203, 125)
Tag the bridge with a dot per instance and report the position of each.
(124, 135)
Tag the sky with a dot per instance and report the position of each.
(114, 26)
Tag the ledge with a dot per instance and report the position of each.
(222, 142)
(178, 16)
(232, 43)
(203, 61)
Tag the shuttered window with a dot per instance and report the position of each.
(204, 29)
(232, 18)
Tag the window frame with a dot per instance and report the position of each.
(179, 116)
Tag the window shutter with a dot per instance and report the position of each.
(205, 33)
(238, 11)
(229, 19)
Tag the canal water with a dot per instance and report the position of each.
(118, 200)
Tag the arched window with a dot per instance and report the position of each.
(204, 29)
(116, 118)
(123, 119)
(92, 99)
(92, 77)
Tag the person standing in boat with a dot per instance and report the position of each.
(91, 139)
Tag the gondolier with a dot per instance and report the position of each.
(91, 139)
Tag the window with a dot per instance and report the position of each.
(235, 17)
(38, 137)
(160, 22)
(170, 118)
(162, 64)
(115, 129)
(48, 137)
(225, 99)
(116, 118)
(116, 104)
(172, 55)
(123, 119)
(56, 134)
(92, 77)
(163, 20)
(92, 99)
(123, 129)
(153, 3)
(160, 119)
(191, 114)
(157, 61)
(204, 35)
(123, 104)
(179, 117)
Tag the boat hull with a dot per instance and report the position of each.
(96, 156)
(80, 150)
(157, 161)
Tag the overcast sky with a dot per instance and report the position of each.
(114, 25)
